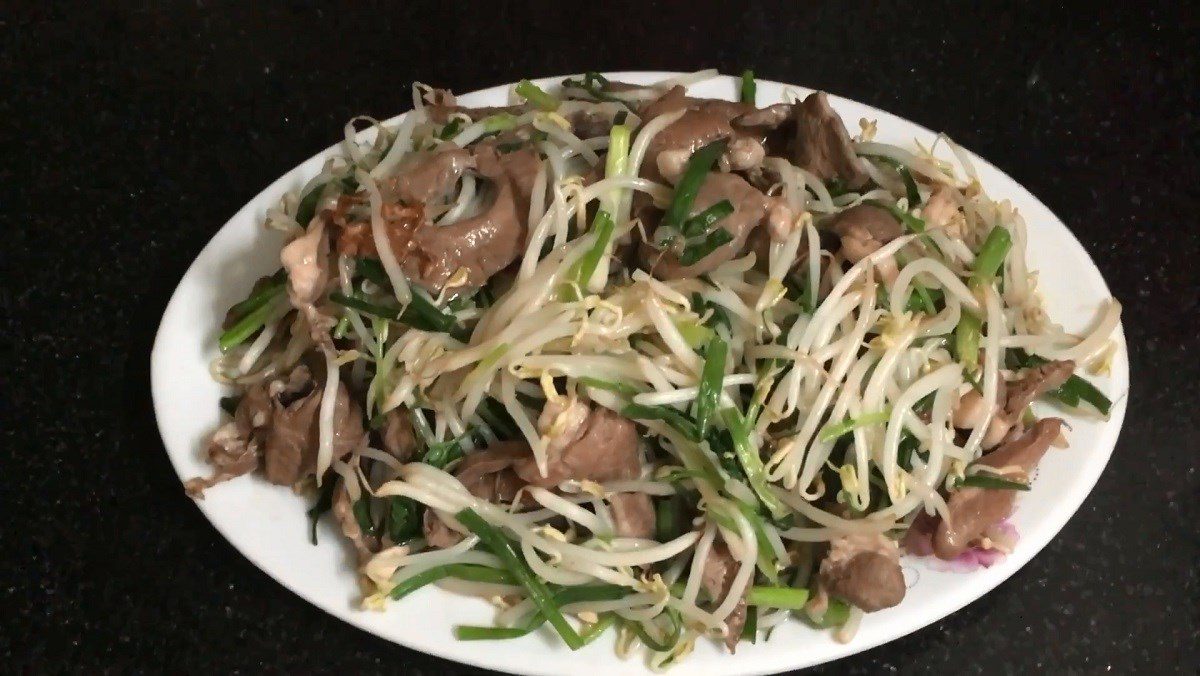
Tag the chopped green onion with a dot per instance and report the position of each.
(1077, 389)
(462, 571)
(404, 518)
(323, 504)
(499, 122)
(372, 269)
(989, 481)
(362, 514)
(616, 161)
(910, 187)
(498, 418)
(439, 454)
(248, 325)
(664, 413)
(697, 169)
(835, 615)
(701, 223)
(966, 339)
(711, 378)
(921, 299)
(668, 518)
(471, 633)
(593, 84)
(538, 593)
(751, 462)
(693, 253)
(595, 629)
(749, 89)
(700, 306)
(451, 129)
(653, 644)
(991, 255)
(750, 628)
(262, 296)
(624, 389)
(695, 334)
(582, 270)
(420, 314)
(832, 431)
(790, 598)
(536, 96)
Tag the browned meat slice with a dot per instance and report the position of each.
(750, 208)
(292, 436)
(1034, 383)
(595, 445)
(864, 229)
(864, 571)
(974, 510)
(486, 474)
(770, 117)
(479, 246)
(821, 143)
(1014, 398)
(397, 436)
(521, 166)
(365, 545)
(633, 515)
(720, 569)
(278, 422)
(429, 176)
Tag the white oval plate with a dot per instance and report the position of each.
(268, 524)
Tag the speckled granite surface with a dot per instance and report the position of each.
(133, 134)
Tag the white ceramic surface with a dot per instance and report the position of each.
(268, 524)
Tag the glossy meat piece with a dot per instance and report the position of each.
(479, 246)
(604, 448)
(717, 576)
(974, 510)
(864, 571)
(633, 515)
(821, 143)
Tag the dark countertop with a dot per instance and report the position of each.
(134, 134)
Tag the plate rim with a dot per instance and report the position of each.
(764, 663)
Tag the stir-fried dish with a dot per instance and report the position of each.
(617, 358)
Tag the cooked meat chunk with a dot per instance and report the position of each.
(704, 121)
(864, 571)
(397, 435)
(1035, 382)
(720, 569)
(750, 208)
(974, 510)
(1014, 398)
(277, 422)
(479, 246)
(429, 176)
(940, 208)
(487, 475)
(604, 447)
(633, 515)
(291, 437)
(822, 145)
(864, 229)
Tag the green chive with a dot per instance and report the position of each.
(693, 253)
(994, 482)
(624, 389)
(537, 96)
(832, 431)
(689, 184)
(664, 413)
(247, 325)
(701, 223)
(462, 571)
(749, 89)
(711, 378)
(777, 597)
(538, 593)
(991, 255)
(966, 339)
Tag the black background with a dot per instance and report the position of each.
(130, 135)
